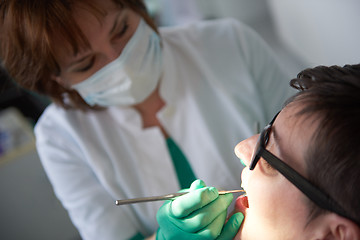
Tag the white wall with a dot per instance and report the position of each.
(254, 13)
(303, 33)
(323, 32)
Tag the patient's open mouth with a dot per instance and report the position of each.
(241, 204)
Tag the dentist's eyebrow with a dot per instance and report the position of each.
(79, 60)
(116, 22)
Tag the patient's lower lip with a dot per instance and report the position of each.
(241, 204)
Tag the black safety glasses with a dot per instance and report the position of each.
(320, 198)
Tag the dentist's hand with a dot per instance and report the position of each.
(200, 214)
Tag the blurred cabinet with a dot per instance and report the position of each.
(28, 207)
(29, 104)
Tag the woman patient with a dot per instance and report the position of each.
(302, 173)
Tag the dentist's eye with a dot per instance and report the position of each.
(87, 66)
(123, 30)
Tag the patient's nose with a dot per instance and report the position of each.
(245, 149)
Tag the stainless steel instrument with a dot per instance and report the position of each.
(164, 197)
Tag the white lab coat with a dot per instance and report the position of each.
(219, 79)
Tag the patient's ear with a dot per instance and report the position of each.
(338, 228)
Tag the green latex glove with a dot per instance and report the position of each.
(231, 227)
(200, 214)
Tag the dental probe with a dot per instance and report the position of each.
(164, 197)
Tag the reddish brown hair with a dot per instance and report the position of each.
(28, 30)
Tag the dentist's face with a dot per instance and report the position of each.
(275, 208)
(107, 34)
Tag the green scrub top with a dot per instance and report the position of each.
(183, 169)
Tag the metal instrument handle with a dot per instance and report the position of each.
(164, 197)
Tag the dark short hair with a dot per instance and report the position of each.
(28, 32)
(332, 95)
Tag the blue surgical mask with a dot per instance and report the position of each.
(130, 78)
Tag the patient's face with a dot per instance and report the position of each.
(276, 208)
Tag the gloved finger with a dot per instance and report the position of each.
(184, 205)
(169, 231)
(197, 184)
(213, 230)
(159, 235)
(203, 217)
(194, 185)
(232, 227)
